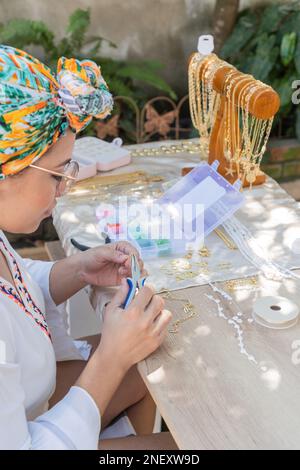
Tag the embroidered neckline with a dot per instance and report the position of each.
(21, 296)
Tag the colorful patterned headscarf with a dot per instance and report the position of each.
(36, 107)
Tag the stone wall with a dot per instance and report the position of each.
(165, 30)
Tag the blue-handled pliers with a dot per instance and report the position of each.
(134, 282)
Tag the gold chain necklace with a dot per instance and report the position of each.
(204, 101)
(188, 308)
(184, 147)
(228, 147)
(245, 136)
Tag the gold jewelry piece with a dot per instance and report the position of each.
(184, 147)
(189, 255)
(204, 101)
(188, 309)
(235, 284)
(245, 137)
(204, 252)
(109, 180)
(228, 242)
(182, 269)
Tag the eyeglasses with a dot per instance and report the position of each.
(66, 179)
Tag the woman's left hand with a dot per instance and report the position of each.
(106, 265)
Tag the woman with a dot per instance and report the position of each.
(39, 117)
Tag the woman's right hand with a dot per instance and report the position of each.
(134, 333)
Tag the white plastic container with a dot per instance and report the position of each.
(106, 156)
(188, 211)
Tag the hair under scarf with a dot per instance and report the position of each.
(36, 107)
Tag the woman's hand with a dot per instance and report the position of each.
(106, 265)
(103, 266)
(128, 336)
(132, 334)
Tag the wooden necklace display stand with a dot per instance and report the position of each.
(263, 104)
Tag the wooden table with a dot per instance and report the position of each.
(209, 394)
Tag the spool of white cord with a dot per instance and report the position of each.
(275, 312)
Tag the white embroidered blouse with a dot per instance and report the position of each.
(28, 367)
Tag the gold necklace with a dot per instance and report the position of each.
(249, 171)
(235, 110)
(107, 180)
(203, 99)
(245, 136)
(255, 137)
(184, 147)
(229, 119)
(243, 96)
(229, 243)
(188, 308)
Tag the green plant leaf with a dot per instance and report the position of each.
(78, 25)
(244, 29)
(63, 48)
(97, 40)
(21, 33)
(272, 16)
(264, 58)
(288, 47)
(152, 65)
(108, 66)
(147, 76)
(118, 87)
(297, 54)
(95, 49)
(291, 23)
(255, 54)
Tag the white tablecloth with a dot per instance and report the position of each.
(269, 213)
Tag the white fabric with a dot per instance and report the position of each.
(66, 349)
(84, 348)
(271, 215)
(122, 427)
(27, 381)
